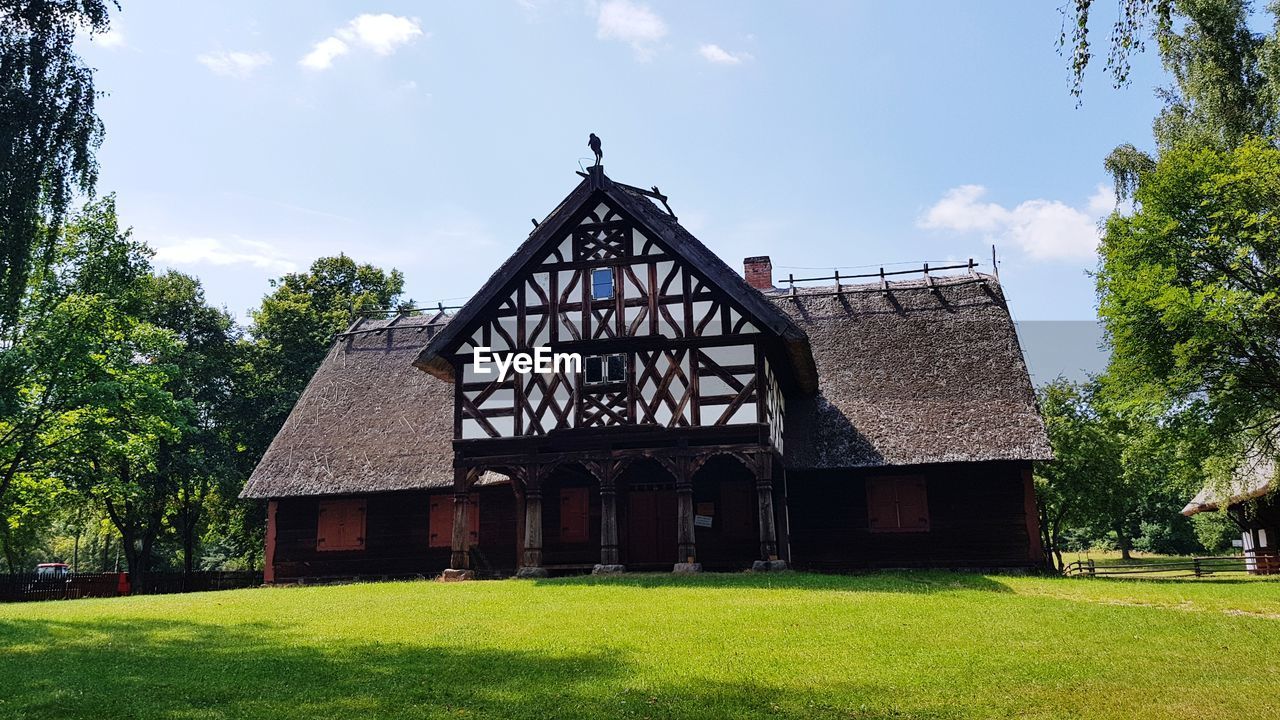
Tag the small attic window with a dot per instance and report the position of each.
(601, 369)
(602, 283)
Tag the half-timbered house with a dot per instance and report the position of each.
(714, 421)
(1251, 499)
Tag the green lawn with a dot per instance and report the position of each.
(891, 645)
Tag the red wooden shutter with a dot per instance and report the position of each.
(897, 503)
(340, 525)
(913, 503)
(882, 511)
(353, 525)
(574, 515)
(328, 526)
(440, 522)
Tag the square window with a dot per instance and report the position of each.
(602, 369)
(595, 369)
(602, 283)
(340, 525)
(897, 503)
(617, 370)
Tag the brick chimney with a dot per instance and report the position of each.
(759, 272)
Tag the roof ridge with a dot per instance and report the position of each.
(938, 281)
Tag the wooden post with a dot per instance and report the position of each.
(518, 490)
(768, 532)
(609, 523)
(768, 529)
(460, 547)
(269, 552)
(686, 549)
(680, 469)
(532, 565)
(460, 558)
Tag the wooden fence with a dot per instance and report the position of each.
(18, 587)
(1261, 563)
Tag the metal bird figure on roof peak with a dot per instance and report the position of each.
(593, 142)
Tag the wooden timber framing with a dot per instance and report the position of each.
(699, 350)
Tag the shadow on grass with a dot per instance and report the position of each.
(149, 668)
(145, 668)
(904, 581)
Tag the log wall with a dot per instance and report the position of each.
(397, 536)
(977, 519)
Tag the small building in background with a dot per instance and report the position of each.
(1252, 501)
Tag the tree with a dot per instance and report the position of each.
(199, 463)
(1074, 489)
(47, 373)
(1188, 283)
(129, 425)
(1189, 292)
(1226, 77)
(123, 389)
(49, 131)
(291, 334)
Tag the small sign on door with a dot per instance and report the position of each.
(703, 521)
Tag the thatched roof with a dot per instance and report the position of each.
(914, 375)
(629, 201)
(1255, 477)
(367, 422)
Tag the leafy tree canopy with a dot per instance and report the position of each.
(1189, 291)
(49, 131)
(1225, 76)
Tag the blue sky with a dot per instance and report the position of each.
(244, 139)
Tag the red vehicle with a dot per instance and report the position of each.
(52, 582)
(53, 571)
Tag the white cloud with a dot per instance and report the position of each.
(634, 24)
(1103, 201)
(1043, 229)
(234, 64)
(323, 53)
(381, 34)
(111, 39)
(212, 251)
(717, 55)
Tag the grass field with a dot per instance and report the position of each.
(890, 645)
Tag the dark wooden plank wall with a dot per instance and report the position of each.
(977, 516)
(397, 534)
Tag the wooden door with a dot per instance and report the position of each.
(651, 527)
(738, 504)
(575, 515)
